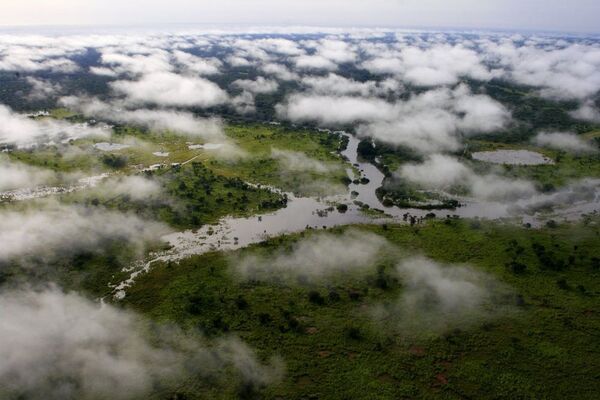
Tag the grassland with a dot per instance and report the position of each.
(547, 348)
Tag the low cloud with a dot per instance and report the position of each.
(169, 89)
(258, 86)
(437, 297)
(441, 64)
(587, 112)
(432, 121)
(563, 141)
(53, 230)
(25, 132)
(58, 345)
(193, 64)
(298, 161)
(427, 122)
(156, 120)
(137, 188)
(334, 110)
(16, 175)
(42, 89)
(319, 256)
(315, 62)
(440, 172)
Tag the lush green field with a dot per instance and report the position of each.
(545, 347)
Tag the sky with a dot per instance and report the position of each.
(535, 15)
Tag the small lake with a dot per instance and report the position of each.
(105, 146)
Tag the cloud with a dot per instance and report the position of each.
(244, 103)
(156, 120)
(315, 62)
(33, 58)
(42, 89)
(334, 110)
(563, 72)
(441, 64)
(54, 230)
(432, 121)
(135, 64)
(58, 345)
(280, 71)
(237, 61)
(563, 141)
(298, 161)
(319, 256)
(440, 172)
(191, 63)
(137, 188)
(169, 89)
(25, 132)
(334, 84)
(258, 86)
(587, 112)
(16, 175)
(437, 297)
(281, 46)
(338, 51)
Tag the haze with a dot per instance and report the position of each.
(547, 15)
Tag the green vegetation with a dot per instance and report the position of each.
(333, 349)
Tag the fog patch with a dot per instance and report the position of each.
(298, 161)
(587, 112)
(258, 86)
(58, 345)
(136, 188)
(169, 89)
(16, 175)
(178, 122)
(443, 173)
(27, 132)
(436, 298)
(316, 257)
(563, 141)
(53, 230)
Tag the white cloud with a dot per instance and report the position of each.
(298, 161)
(279, 71)
(168, 89)
(197, 65)
(563, 141)
(178, 122)
(440, 172)
(59, 345)
(587, 112)
(15, 175)
(24, 131)
(315, 62)
(440, 64)
(54, 230)
(334, 110)
(257, 86)
(316, 257)
(42, 89)
(437, 297)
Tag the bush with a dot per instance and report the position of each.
(316, 298)
(114, 161)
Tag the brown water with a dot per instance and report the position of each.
(317, 213)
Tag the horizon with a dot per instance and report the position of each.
(498, 15)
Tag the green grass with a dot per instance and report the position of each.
(547, 348)
(254, 140)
